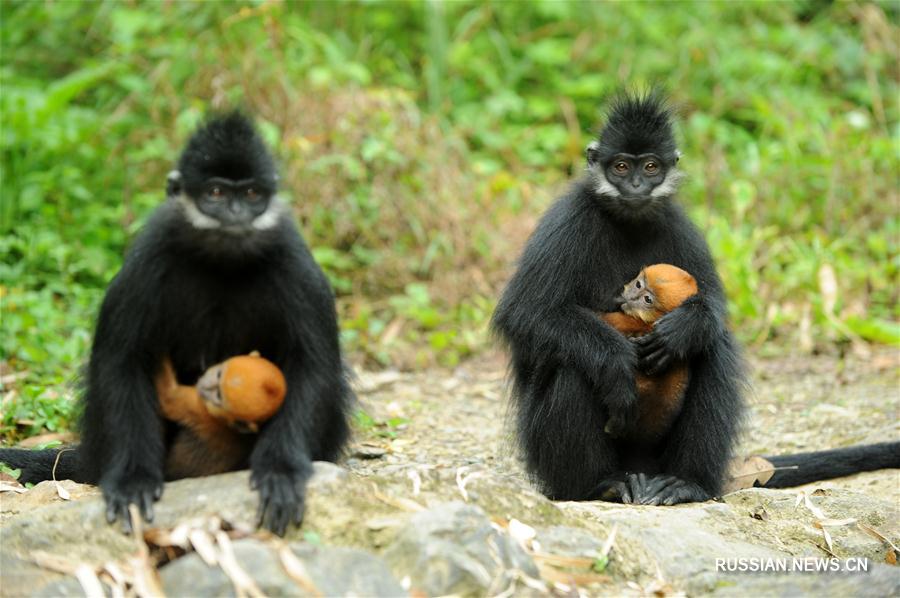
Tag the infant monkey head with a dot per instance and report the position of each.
(247, 388)
(656, 291)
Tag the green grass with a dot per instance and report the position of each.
(419, 142)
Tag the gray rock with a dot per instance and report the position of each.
(682, 542)
(796, 523)
(327, 571)
(453, 549)
(60, 528)
(879, 581)
(567, 541)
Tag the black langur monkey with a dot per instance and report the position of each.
(573, 375)
(219, 270)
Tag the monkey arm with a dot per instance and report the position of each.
(311, 422)
(679, 335)
(627, 325)
(574, 337)
(694, 326)
(183, 404)
(122, 436)
(177, 402)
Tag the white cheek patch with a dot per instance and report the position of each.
(604, 187)
(270, 218)
(669, 184)
(193, 215)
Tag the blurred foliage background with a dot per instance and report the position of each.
(419, 142)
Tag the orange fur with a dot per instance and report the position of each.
(660, 398)
(246, 389)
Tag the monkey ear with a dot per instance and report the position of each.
(173, 183)
(592, 152)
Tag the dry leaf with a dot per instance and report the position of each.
(116, 579)
(576, 562)
(244, 585)
(204, 544)
(463, 480)
(89, 581)
(18, 488)
(760, 513)
(746, 472)
(296, 570)
(610, 540)
(828, 287)
(816, 511)
(521, 532)
(63, 437)
(62, 492)
(834, 522)
(891, 557)
(413, 475)
(828, 539)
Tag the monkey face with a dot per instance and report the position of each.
(635, 177)
(234, 204)
(225, 182)
(638, 300)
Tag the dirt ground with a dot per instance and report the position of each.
(448, 419)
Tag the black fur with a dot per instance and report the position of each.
(175, 297)
(803, 468)
(572, 373)
(638, 125)
(227, 146)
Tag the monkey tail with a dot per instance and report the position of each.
(834, 463)
(37, 466)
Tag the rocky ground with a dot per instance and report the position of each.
(431, 501)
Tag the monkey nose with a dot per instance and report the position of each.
(235, 207)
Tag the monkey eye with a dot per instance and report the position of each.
(651, 167)
(620, 167)
(215, 193)
(637, 284)
(648, 299)
(252, 195)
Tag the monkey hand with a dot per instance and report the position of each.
(141, 489)
(654, 350)
(281, 499)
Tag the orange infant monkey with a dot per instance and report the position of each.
(237, 394)
(656, 291)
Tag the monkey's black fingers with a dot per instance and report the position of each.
(280, 501)
(682, 491)
(613, 490)
(125, 515)
(650, 493)
(647, 342)
(261, 510)
(112, 511)
(299, 511)
(147, 505)
(635, 485)
(656, 363)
